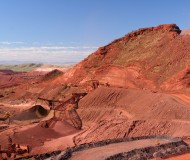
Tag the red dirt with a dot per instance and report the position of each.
(118, 113)
(148, 73)
(11, 79)
(35, 135)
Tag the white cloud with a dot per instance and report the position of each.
(9, 43)
(45, 54)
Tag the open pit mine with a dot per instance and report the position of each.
(128, 100)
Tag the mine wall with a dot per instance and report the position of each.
(176, 147)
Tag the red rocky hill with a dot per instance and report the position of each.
(156, 58)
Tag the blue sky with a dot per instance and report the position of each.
(65, 31)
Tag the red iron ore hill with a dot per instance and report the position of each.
(155, 58)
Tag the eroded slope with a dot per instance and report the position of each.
(117, 113)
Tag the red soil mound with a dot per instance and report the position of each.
(118, 113)
(135, 103)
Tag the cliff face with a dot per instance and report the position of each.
(153, 58)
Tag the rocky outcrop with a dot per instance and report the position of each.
(172, 28)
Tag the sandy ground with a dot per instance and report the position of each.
(100, 153)
(55, 144)
(41, 140)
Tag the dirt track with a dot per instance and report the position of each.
(103, 152)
